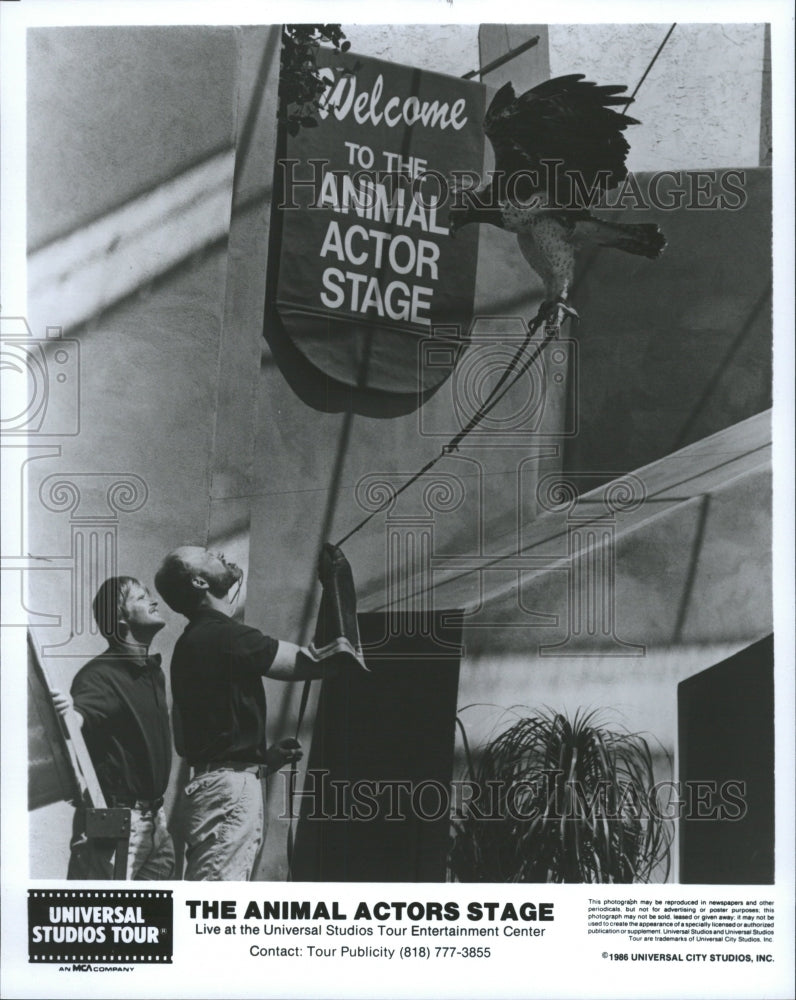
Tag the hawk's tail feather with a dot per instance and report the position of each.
(642, 238)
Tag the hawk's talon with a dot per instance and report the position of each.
(552, 312)
(563, 307)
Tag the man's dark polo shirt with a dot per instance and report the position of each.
(217, 681)
(122, 700)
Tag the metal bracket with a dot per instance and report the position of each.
(111, 824)
(108, 824)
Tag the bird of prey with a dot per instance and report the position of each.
(558, 148)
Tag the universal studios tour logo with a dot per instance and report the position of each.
(87, 926)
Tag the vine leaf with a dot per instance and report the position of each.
(301, 86)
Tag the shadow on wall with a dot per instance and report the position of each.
(154, 232)
(675, 349)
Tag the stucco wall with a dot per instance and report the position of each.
(443, 48)
(122, 114)
(700, 105)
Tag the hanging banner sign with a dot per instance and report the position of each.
(367, 268)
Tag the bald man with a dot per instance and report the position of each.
(216, 679)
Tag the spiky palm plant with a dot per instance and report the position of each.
(561, 800)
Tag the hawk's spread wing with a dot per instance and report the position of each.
(567, 119)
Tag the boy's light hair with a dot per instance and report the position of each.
(110, 604)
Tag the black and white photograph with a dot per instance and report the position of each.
(397, 438)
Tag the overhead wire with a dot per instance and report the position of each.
(501, 388)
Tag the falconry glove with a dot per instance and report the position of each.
(336, 636)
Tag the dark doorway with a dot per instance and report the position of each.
(726, 742)
(381, 761)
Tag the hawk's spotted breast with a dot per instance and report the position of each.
(557, 147)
